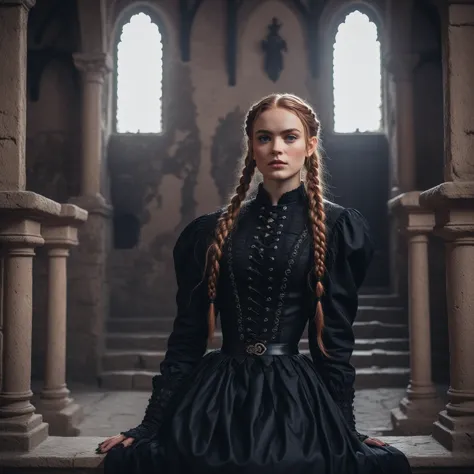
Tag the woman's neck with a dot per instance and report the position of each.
(276, 189)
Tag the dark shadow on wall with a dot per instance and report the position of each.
(226, 152)
(126, 231)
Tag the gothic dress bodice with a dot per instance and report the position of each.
(265, 272)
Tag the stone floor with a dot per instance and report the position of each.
(108, 413)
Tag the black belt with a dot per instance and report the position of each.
(260, 348)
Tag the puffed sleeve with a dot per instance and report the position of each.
(188, 340)
(350, 251)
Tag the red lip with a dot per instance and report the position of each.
(276, 162)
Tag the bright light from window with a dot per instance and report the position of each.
(357, 78)
(139, 77)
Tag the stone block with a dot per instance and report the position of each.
(62, 422)
(23, 436)
(456, 433)
(415, 417)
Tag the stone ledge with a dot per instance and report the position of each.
(77, 455)
(93, 204)
(445, 193)
(413, 218)
(57, 453)
(28, 203)
(72, 213)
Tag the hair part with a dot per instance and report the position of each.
(314, 188)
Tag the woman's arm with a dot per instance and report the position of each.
(350, 252)
(188, 341)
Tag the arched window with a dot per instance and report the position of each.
(357, 76)
(139, 76)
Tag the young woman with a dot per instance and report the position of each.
(268, 267)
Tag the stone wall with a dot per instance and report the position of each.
(159, 183)
(165, 181)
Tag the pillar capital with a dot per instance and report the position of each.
(453, 203)
(21, 213)
(28, 4)
(94, 66)
(401, 65)
(61, 231)
(414, 219)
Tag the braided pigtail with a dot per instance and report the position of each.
(223, 229)
(317, 219)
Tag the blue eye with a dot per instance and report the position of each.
(291, 138)
(263, 138)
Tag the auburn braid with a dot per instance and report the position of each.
(317, 219)
(224, 227)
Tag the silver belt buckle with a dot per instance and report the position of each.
(259, 348)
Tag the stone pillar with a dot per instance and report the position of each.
(20, 214)
(88, 292)
(94, 67)
(453, 202)
(401, 66)
(403, 160)
(418, 409)
(13, 48)
(454, 205)
(57, 408)
(88, 295)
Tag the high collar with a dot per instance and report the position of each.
(297, 195)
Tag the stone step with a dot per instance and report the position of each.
(126, 380)
(385, 300)
(388, 344)
(377, 329)
(383, 314)
(372, 377)
(151, 360)
(376, 377)
(132, 325)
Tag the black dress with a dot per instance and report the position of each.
(234, 411)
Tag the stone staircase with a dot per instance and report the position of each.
(135, 347)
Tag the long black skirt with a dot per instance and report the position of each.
(254, 415)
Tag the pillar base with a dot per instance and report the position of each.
(63, 419)
(23, 433)
(455, 433)
(415, 417)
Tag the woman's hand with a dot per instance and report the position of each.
(109, 443)
(374, 442)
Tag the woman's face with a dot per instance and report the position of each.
(279, 145)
